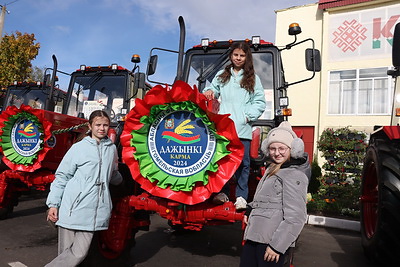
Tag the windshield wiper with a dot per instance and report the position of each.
(93, 80)
(216, 65)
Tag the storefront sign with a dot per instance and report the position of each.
(362, 34)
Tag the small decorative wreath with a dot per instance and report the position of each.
(23, 134)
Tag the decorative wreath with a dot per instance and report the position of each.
(169, 130)
(23, 133)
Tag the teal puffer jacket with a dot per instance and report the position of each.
(80, 190)
(243, 107)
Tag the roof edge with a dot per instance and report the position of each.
(324, 4)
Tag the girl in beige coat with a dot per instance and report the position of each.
(278, 212)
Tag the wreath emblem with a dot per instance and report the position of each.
(23, 133)
(177, 149)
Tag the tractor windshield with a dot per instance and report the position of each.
(34, 97)
(204, 67)
(97, 91)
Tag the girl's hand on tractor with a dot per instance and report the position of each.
(209, 94)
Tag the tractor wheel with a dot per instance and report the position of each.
(178, 229)
(289, 255)
(380, 204)
(109, 248)
(99, 255)
(6, 211)
(9, 204)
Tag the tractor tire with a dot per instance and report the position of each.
(380, 203)
(289, 255)
(6, 212)
(9, 204)
(96, 257)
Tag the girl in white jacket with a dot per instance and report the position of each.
(79, 200)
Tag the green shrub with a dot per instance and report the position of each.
(337, 191)
(314, 184)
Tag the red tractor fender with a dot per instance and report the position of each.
(392, 132)
(112, 134)
(255, 143)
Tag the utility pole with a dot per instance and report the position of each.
(2, 17)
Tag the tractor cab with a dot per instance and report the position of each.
(32, 94)
(110, 88)
(45, 95)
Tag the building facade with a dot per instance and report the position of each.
(355, 40)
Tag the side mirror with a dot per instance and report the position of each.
(313, 60)
(152, 65)
(396, 46)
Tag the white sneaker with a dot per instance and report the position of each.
(240, 203)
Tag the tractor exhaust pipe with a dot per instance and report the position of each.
(179, 72)
(50, 101)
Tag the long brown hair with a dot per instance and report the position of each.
(249, 79)
(273, 167)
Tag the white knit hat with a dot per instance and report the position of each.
(281, 134)
(284, 134)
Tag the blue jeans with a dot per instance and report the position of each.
(242, 173)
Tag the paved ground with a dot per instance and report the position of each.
(27, 240)
(220, 246)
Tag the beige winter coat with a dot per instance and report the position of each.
(279, 206)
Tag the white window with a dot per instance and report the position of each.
(360, 92)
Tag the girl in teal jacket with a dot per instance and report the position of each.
(242, 96)
(79, 200)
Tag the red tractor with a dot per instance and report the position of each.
(176, 175)
(380, 187)
(31, 164)
(40, 122)
(175, 151)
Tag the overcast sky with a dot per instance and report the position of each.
(101, 32)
